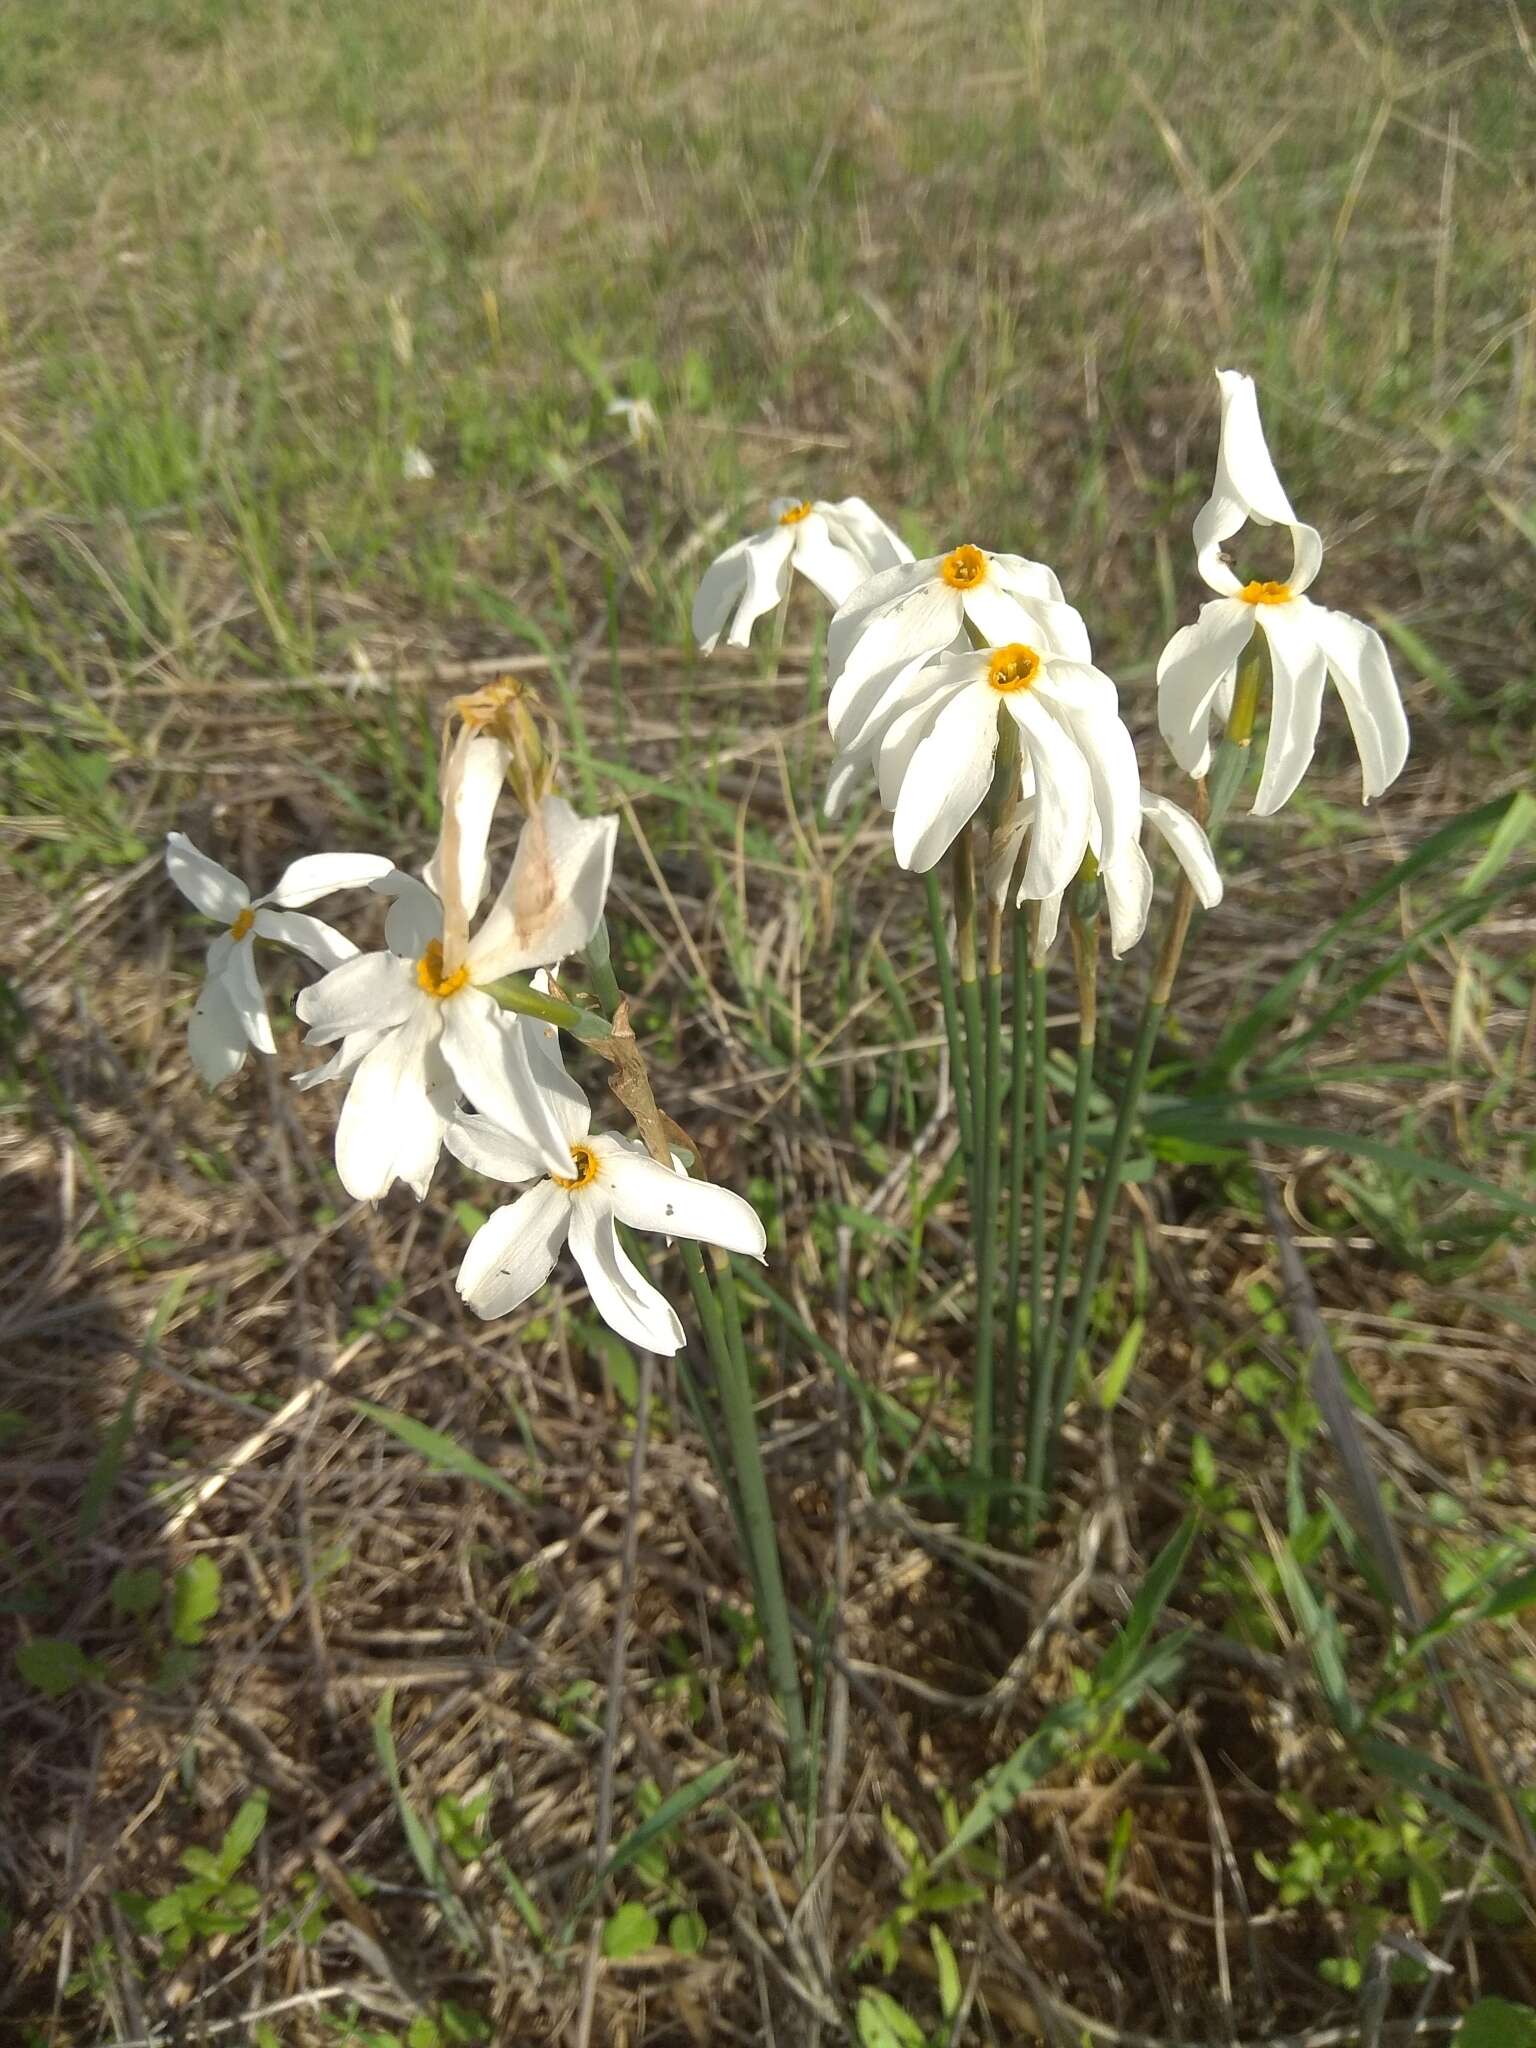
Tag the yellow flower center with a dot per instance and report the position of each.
(430, 976)
(1012, 668)
(963, 568)
(242, 923)
(796, 513)
(1265, 593)
(585, 1160)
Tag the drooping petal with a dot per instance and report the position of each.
(948, 776)
(216, 892)
(908, 725)
(1296, 705)
(1084, 701)
(622, 1296)
(1003, 850)
(842, 779)
(244, 992)
(216, 1037)
(1362, 674)
(1047, 924)
(1127, 884)
(513, 1252)
(1191, 848)
(1063, 797)
(366, 993)
(766, 559)
(486, 1148)
(835, 570)
(649, 1196)
(1190, 671)
(488, 1053)
(719, 593)
(552, 900)
(415, 916)
(354, 1047)
(317, 874)
(568, 1102)
(858, 524)
(1246, 485)
(880, 694)
(307, 935)
(477, 769)
(391, 1123)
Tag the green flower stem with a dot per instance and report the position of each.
(959, 1076)
(988, 1173)
(1018, 1104)
(728, 1356)
(963, 878)
(1231, 761)
(1085, 955)
(1039, 1357)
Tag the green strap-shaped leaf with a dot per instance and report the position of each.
(438, 1449)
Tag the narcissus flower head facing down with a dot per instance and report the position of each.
(230, 1014)
(602, 1182)
(1307, 644)
(836, 547)
(416, 1023)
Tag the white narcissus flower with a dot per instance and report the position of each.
(835, 546)
(231, 1013)
(416, 1023)
(1307, 643)
(1126, 877)
(893, 623)
(603, 1181)
(936, 757)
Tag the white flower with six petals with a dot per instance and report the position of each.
(230, 1015)
(835, 546)
(1307, 643)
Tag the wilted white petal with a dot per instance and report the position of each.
(215, 1035)
(649, 1196)
(552, 900)
(307, 935)
(513, 1252)
(1362, 674)
(489, 1056)
(216, 892)
(1193, 666)
(317, 874)
(391, 1123)
(477, 769)
(365, 993)
(1191, 848)
(625, 1300)
(1299, 670)
(948, 776)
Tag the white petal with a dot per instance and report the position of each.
(861, 525)
(766, 558)
(1003, 852)
(244, 992)
(391, 1123)
(414, 918)
(624, 1299)
(317, 874)
(552, 900)
(1362, 674)
(1191, 848)
(219, 950)
(835, 570)
(906, 731)
(649, 1196)
(488, 1053)
(1076, 697)
(1296, 706)
(877, 696)
(307, 935)
(895, 617)
(1192, 667)
(476, 773)
(1246, 485)
(948, 777)
(842, 779)
(1025, 578)
(1306, 557)
(1063, 797)
(1127, 884)
(486, 1148)
(369, 992)
(1047, 924)
(513, 1252)
(215, 1035)
(719, 593)
(216, 892)
(353, 1048)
